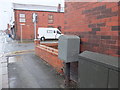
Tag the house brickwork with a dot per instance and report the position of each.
(42, 21)
(96, 23)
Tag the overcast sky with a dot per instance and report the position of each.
(5, 8)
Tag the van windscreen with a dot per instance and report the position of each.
(58, 32)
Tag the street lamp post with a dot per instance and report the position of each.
(21, 32)
(35, 21)
(35, 29)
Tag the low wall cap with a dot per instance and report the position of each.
(102, 59)
(69, 37)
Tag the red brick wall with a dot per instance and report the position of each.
(96, 23)
(50, 55)
(52, 45)
(28, 29)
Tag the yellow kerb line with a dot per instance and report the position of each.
(20, 52)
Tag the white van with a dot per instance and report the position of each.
(48, 33)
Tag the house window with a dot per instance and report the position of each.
(22, 18)
(50, 18)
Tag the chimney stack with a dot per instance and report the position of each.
(59, 7)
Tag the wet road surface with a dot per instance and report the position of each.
(9, 45)
(28, 70)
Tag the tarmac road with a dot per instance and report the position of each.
(27, 70)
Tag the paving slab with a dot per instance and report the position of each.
(4, 65)
(0, 75)
(4, 70)
(3, 73)
(5, 81)
(3, 60)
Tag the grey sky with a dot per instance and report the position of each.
(41, 2)
(5, 8)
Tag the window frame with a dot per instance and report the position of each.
(22, 19)
(50, 19)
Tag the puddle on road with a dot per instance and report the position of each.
(11, 60)
(14, 59)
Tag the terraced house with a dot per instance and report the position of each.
(47, 16)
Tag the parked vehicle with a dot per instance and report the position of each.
(48, 33)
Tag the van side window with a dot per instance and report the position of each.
(49, 31)
(54, 31)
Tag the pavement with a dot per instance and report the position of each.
(0, 76)
(3, 73)
(3, 61)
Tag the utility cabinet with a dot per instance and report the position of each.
(97, 70)
(68, 48)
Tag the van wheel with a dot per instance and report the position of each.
(42, 38)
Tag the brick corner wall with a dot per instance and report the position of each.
(96, 23)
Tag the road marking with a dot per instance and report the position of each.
(20, 52)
